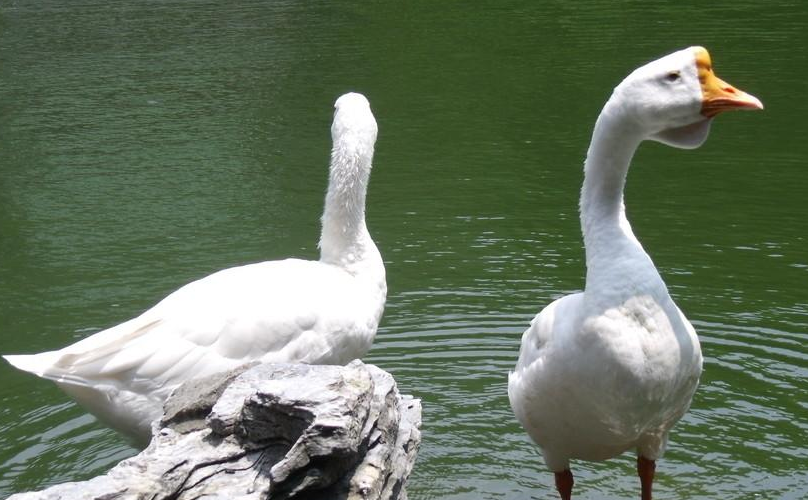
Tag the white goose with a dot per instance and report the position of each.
(613, 368)
(292, 310)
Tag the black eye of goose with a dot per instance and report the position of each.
(673, 76)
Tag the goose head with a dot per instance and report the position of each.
(674, 99)
(354, 127)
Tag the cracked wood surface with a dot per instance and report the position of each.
(271, 432)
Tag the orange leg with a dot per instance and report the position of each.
(645, 469)
(564, 484)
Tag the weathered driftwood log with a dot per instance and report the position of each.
(271, 431)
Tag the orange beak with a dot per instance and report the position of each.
(717, 95)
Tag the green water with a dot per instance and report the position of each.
(146, 144)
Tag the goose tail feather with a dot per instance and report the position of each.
(38, 364)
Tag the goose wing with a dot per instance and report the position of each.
(291, 310)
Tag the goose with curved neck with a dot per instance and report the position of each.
(300, 311)
(613, 368)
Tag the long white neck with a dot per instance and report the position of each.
(345, 240)
(613, 253)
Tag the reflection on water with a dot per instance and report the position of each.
(144, 145)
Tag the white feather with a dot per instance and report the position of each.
(323, 312)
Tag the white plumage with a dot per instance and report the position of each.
(319, 312)
(613, 368)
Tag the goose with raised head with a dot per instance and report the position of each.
(613, 368)
(317, 312)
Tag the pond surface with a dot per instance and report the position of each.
(147, 144)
